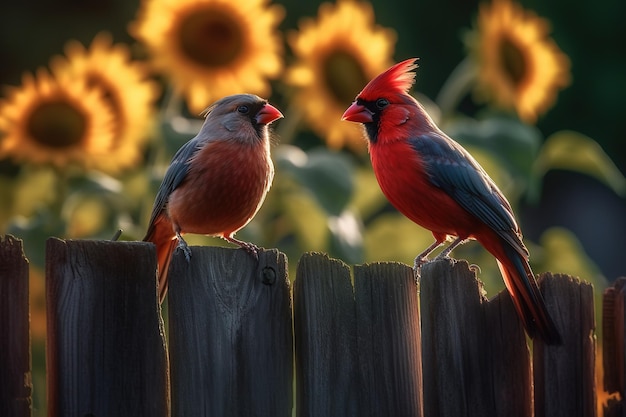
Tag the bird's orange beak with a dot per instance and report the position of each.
(268, 114)
(357, 113)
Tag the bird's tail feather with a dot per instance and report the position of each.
(164, 256)
(526, 296)
(165, 240)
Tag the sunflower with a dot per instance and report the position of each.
(212, 48)
(520, 67)
(125, 86)
(59, 122)
(337, 55)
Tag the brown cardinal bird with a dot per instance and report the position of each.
(217, 181)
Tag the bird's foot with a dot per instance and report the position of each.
(445, 254)
(419, 262)
(417, 267)
(441, 256)
(251, 248)
(417, 275)
(182, 245)
(422, 259)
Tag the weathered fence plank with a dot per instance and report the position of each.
(105, 350)
(15, 376)
(325, 338)
(357, 354)
(564, 375)
(613, 346)
(388, 340)
(474, 354)
(359, 350)
(230, 333)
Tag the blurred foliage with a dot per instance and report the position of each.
(326, 199)
(322, 199)
(574, 151)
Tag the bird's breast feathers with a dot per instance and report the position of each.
(404, 179)
(226, 185)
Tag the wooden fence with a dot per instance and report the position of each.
(361, 341)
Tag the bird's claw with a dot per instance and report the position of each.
(186, 250)
(419, 262)
(252, 249)
(417, 275)
(182, 245)
(417, 267)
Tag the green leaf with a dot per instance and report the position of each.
(576, 152)
(562, 251)
(346, 237)
(178, 130)
(35, 231)
(514, 143)
(327, 175)
(32, 190)
(393, 237)
(95, 182)
(368, 197)
(306, 220)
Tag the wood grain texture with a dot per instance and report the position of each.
(388, 340)
(613, 343)
(564, 375)
(15, 372)
(325, 339)
(357, 350)
(105, 351)
(230, 333)
(509, 358)
(474, 354)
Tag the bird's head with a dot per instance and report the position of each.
(385, 105)
(241, 113)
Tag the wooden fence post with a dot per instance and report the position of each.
(325, 339)
(230, 334)
(105, 350)
(359, 350)
(357, 354)
(15, 373)
(388, 340)
(564, 375)
(613, 346)
(474, 354)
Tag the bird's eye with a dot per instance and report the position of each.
(243, 109)
(381, 103)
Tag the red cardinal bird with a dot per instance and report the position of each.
(436, 183)
(217, 181)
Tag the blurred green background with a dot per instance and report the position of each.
(590, 33)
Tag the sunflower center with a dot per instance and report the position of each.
(512, 61)
(343, 75)
(95, 81)
(57, 124)
(211, 38)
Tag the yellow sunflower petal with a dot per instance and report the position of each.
(520, 67)
(125, 85)
(212, 48)
(50, 121)
(337, 54)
